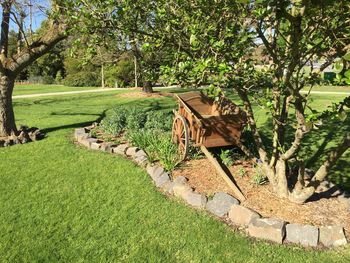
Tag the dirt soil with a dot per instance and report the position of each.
(138, 94)
(325, 211)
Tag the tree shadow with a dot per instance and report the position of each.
(74, 125)
(316, 145)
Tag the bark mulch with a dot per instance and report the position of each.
(322, 212)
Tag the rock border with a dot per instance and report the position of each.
(222, 205)
(24, 135)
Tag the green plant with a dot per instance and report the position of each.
(259, 178)
(115, 123)
(242, 172)
(158, 146)
(194, 153)
(168, 152)
(226, 157)
(83, 79)
(93, 132)
(48, 79)
(159, 120)
(135, 118)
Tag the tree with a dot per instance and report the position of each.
(127, 23)
(29, 49)
(294, 33)
(216, 41)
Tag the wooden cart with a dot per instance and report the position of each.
(199, 121)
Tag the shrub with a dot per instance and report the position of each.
(136, 118)
(115, 123)
(242, 172)
(122, 73)
(158, 120)
(83, 79)
(48, 80)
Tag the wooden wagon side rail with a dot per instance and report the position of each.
(189, 111)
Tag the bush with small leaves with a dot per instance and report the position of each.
(159, 120)
(115, 122)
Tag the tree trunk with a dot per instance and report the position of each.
(102, 76)
(147, 87)
(7, 116)
(135, 72)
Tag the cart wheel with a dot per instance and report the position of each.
(180, 135)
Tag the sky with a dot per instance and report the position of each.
(38, 8)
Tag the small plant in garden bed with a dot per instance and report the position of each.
(147, 130)
(135, 118)
(259, 178)
(226, 158)
(158, 146)
(242, 172)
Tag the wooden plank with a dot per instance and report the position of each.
(219, 169)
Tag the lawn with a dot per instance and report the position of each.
(39, 88)
(330, 89)
(62, 203)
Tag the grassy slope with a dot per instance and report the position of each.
(39, 88)
(60, 202)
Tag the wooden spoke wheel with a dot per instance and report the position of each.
(180, 135)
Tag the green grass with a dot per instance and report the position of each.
(39, 88)
(62, 203)
(330, 88)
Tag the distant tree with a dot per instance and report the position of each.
(127, 22)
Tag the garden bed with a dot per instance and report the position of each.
(328, 210)
(262, 215)
(144, 136)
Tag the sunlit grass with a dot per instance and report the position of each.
(62, 203)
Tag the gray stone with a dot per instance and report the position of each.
(161, 180)
(221, 204)
(180, 179)
(95, 146)
(332, 236)
(88, 141)
(121, 149)
(196, 200)
(35, 134)
(79, 133)
(141, 160)
(131, 151)
(107, 147)
(182, 190)
(241, 216)
(268, 229)
(140, 153)
(168, 187)
(82, 138)
(304, 235)
(155, 171)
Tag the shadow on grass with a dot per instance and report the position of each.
(74, 125)
(316, 145)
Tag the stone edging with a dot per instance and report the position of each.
(222, 205)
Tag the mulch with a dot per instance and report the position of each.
(323, 212)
